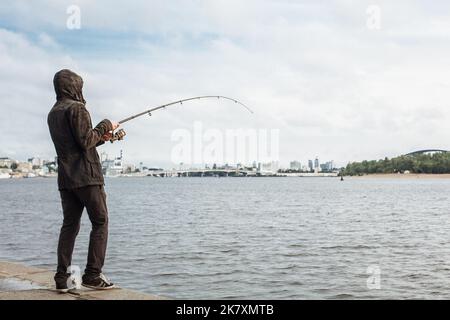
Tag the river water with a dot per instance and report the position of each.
(255, 238)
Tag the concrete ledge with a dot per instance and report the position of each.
(20, 282)
(36, 294)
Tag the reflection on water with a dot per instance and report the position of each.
(251, 238)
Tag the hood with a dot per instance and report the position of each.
(68, 85)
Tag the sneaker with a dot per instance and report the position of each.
(62, 287)
(98, 283)
(61, 283)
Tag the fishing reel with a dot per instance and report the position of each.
(118, 135)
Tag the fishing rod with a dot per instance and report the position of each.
(120, 134)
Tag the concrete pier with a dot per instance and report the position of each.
(20, 282)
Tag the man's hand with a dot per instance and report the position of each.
(115, 125)
(107, 136)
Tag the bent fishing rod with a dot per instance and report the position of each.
(120, 134)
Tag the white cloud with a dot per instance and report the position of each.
(313, 70)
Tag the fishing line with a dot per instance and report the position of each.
(120, 134)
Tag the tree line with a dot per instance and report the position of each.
(416, 163)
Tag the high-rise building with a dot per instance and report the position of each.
(114, 167)
(103, 156)
(327, 166)
(270, 167)
(330, 165)
(35, 161)
(295, 165)
(6, 162)
(310, 165)
(316, 163)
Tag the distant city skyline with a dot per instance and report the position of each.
(104, 156)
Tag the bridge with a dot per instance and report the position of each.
(425, 151)
(242, 172)
(204, 173)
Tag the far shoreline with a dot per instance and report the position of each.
(402, 176)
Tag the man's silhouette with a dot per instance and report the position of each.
(80, 178)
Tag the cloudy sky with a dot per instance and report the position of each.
(338, 80)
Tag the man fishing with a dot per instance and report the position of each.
(80, 178)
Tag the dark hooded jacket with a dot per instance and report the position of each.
(73, 136)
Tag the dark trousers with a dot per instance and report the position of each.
(93, 198)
